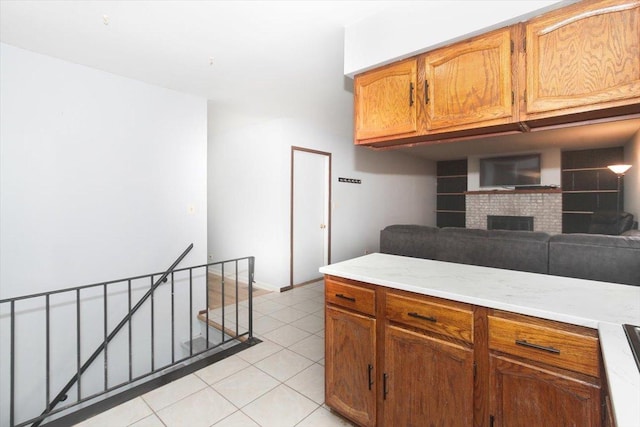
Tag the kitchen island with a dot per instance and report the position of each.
(601, 306)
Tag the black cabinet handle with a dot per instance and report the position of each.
(421, 317)
(346, 297)
(426, 91)
(370, 378)
(524, 343)
(410, 94)
(385, 391)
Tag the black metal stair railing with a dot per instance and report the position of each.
(63, 393)
(161, 365)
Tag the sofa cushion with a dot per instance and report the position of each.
(610, 222)
(416, 241)
(462, 245)
(596, 257)
(517, 250)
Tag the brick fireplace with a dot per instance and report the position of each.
(544, 205)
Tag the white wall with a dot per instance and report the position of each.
(249, 171)
(249, 192)
(632, 177)
(97, 174)
(409, 28)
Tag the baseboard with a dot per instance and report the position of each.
(242, 278)
(269, 286)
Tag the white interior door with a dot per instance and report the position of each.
(310, 227)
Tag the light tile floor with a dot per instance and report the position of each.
(277, 383)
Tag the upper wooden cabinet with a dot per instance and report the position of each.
(574, 64)
(471, 83)
(385, 102)
(582, 58)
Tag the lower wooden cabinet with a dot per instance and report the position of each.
(396, 358)
(544, 371)
(426, 381)
(524, 395)
(350, 354)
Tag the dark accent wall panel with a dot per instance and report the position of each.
(588, 186)
(451, 219)
(450, 199)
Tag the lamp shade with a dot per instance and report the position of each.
(619, 169)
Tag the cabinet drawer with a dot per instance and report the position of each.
(351, 296)
(431, 315)
(545, 343)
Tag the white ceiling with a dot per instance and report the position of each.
(230, 50)
(207, 48)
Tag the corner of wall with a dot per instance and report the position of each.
(632, 178)
(366, 47)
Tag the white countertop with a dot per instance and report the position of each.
(599, 305)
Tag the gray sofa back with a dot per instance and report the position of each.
(518, 250)
(409, 240)
(512, 250)
(586, 256)
(596, 257)
(462, 245)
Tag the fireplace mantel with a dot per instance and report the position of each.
(519, 191)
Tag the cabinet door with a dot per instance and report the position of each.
(385, 101)
(470, 83)
(523, 395)
(350, 341)
(426, 381)
(583, 57)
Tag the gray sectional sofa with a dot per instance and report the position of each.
(585, 256)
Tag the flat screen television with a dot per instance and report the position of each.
(510, 171)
